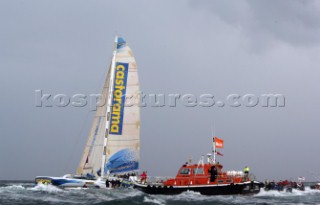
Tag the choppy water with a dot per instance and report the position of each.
(26, 193)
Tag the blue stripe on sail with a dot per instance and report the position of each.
(124, 160)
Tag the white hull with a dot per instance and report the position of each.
(70, 182)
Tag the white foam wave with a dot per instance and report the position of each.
(129, 193)
(46, 188)
(12, 187)
(294, 192)
(197, 197)
(262, 197)
(189, 196)
(154, 201)
(309, 191)
(272, 193)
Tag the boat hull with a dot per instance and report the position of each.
(221, 189)
(63, 182)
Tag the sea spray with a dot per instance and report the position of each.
(17, 193)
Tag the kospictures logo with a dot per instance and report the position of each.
(119, 96)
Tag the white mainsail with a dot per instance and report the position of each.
(113, 144)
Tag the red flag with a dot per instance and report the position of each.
(218, 142)
(218, 153)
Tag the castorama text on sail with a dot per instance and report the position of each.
(118, 101)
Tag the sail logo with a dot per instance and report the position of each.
(119, 96)
(123, 160)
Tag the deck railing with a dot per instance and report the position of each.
(220, 179)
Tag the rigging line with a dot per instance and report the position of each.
(77, 138)
(100, 85)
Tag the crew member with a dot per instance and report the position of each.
(143, 177)
(246, 171)
(213, 173)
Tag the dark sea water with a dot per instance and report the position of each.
(25, 193)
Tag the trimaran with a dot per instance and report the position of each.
(113, 146)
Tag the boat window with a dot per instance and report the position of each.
(198, 171)
(185, 171)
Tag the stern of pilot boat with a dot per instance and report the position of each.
(251, 187)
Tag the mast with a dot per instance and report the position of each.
(109, 104)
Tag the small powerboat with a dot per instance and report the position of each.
(205, 178)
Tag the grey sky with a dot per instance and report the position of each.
(182, 47)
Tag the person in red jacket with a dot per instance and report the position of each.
(143, 177)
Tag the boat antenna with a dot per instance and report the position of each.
(213, 143)
(201, 161)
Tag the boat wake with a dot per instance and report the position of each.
(264, 197)
(45, 188)
(294, 192)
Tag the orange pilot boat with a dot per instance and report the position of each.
(207, 178)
